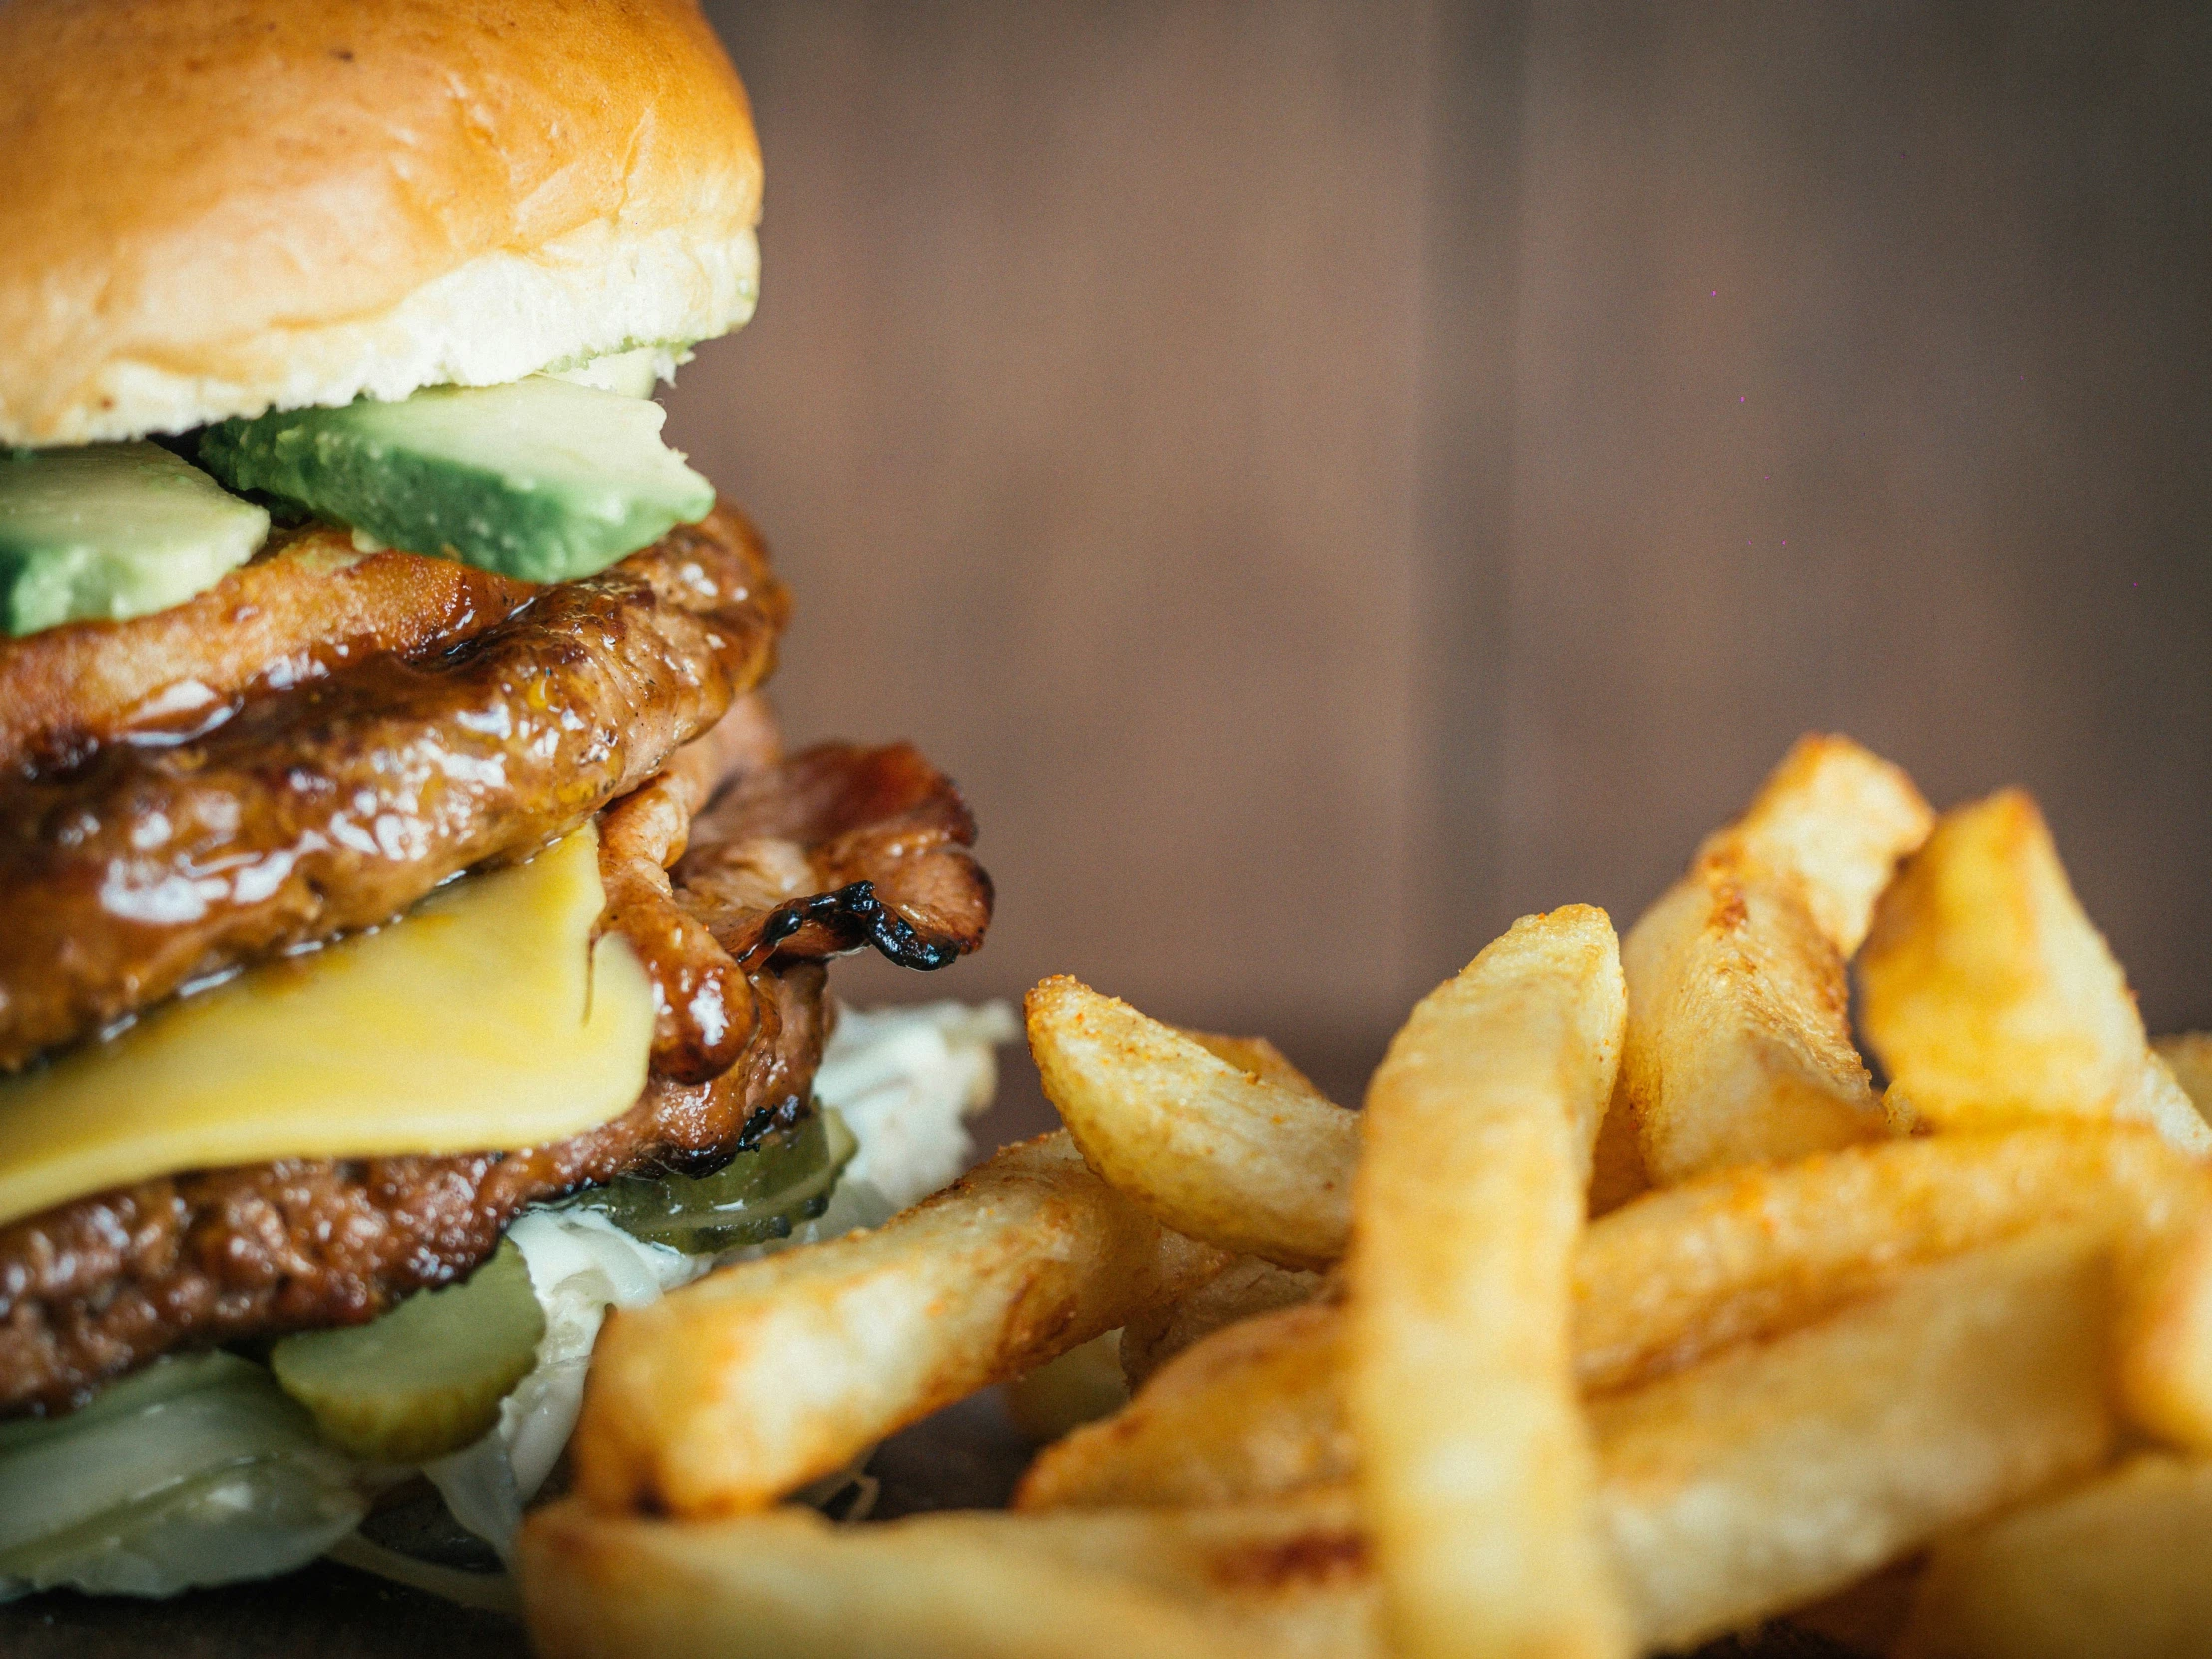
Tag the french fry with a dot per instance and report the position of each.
(1739, 1047)
(2165, 1363)
(1731, 1492)
(1739, 1042)
(1214, 1150)
(1246, 1286)
(1254, 1412)
(1475, 1471)
(1255, 1055)
(756, 1378)
(1838, 817)
(1256, 1409)
(1756, 1252)
(1990, 998)
(2112, 1570)
(1777, 1472)
(2189, 1058)
(1287, 1581)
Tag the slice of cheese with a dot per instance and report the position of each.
(485, 1019)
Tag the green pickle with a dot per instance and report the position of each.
(759, 1196)
(425, 1379)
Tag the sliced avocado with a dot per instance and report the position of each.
(113, 530)
(541, 479)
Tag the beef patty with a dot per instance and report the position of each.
(91, 1289)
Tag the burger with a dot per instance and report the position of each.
(414, 930)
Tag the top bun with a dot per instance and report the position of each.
(214, 208)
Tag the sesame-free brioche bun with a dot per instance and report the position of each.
(214, 208)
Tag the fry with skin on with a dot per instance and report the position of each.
(1739, 1037)
(1257, 1410)
(2112, 1570)
(1476, 1472)
(1991, 998)
(1269, 1582)
(748, 1383)
(1214, 1150)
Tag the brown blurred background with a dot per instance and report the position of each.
(1329, 480)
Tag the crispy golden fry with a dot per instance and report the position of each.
(1256, 1409)
(1739, 1047)
(1248, 1285)
(1279, 1583)
(1253, 1412)
(2165, 1363)
(1991, 998)
(745, 1384)
(1777, 1472)
(1083, 1386)
(1213, 1150)
(1255, 1055)
(1617, 1172)
(1759, 1250)
(1474, 1462)
(1739, 1041)
(2189, 1058)
(2117, 1569)
(1838, 817)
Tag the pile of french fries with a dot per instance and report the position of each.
(1629, 1314)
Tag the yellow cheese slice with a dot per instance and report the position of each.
(485, 1019)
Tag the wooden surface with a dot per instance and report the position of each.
(1331, 479)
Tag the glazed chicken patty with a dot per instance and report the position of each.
(314, 809)
(834, 848)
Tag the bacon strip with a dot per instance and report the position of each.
(336, 805)
(835, 849)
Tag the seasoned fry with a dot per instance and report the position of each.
(2165, 1366)
(1253, 1412)
(2112, 1570)
(1248, 1285)
(1756, 1252)
(1775, 1473)
(1476, 1467)
(1257, 1410)
(1255, 1055)
(1990, 998)
(1739, 1047)
(1214, 1150)
(2189, 1058)
(1739, 1039)
(748, 1383)
(1279, 1583)
(1836, 817)
(1729, 1492)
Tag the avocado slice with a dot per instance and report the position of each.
(113, 530)
(540, 479)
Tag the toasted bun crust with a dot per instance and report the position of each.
(213, 208)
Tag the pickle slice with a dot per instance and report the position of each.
(761, 1194)
(425, 1379)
